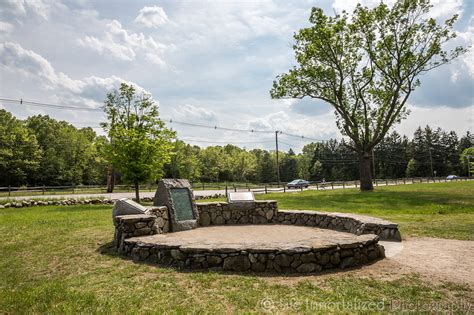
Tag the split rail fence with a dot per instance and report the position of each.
(226, 187)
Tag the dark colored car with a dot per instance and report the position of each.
(298, 183)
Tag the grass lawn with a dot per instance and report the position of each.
(443, 210)
(52, 259)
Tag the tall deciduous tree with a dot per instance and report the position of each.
(366, 66)
(140, 144)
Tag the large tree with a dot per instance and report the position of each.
(139, 142)
(366, 65)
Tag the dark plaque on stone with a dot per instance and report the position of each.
(176, 194)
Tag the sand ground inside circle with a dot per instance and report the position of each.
(255, 236)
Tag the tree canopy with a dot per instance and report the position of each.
(366, 65)
(139, 143)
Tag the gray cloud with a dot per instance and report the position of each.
(453, 87)
(191, 113)
(310, 107)
(89, 90)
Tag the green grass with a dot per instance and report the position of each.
(443, 210)
(54, 259)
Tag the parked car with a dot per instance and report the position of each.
(451, 177)
(298, 183)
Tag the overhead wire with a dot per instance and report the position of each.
(215, 127)
(170, 120)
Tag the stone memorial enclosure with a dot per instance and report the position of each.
(244, 234)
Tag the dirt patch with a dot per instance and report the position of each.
(433, 259)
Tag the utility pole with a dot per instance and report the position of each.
(431, 162)
(277, 164)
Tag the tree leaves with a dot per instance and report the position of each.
(139, 143)
(367, 66)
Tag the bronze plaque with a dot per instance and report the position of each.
(182, 204)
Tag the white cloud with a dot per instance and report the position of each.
(30, 64)
(5, 27)
(194, 114)
(466, 39)
(219, 24)
(445, 8)
(125, 45)
(458, 119)
(441, 8)
(321, 127)
(20, 8)
(89, 90)
(151, 16)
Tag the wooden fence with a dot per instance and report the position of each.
(255, 187)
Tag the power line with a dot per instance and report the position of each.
(218, 127)
(229, 141)
(24, 102)
(57, 106)
(301, 137)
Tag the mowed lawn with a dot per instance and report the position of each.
(56, 259)
(443, 210)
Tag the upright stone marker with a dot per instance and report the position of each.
(176, 194)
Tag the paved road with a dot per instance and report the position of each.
(126, 194)
(196, 192)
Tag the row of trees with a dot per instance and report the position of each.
(430, 151)
(43, 151)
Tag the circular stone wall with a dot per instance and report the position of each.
(272, 248)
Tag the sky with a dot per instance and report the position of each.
(204, 62)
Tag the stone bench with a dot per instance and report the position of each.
(352, 223)
(266, 211)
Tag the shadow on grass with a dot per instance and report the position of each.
(110, 250)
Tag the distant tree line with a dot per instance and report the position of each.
(430, 151)
(43, 151)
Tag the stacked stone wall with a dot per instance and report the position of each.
(291, 260)
(266, 212)
(155, 221)
(221, 213)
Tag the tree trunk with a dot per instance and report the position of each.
(137, 193)
(365, 172)
(110, 179)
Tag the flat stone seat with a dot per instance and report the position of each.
(254, 238)
(135, 217)
(365, 219)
